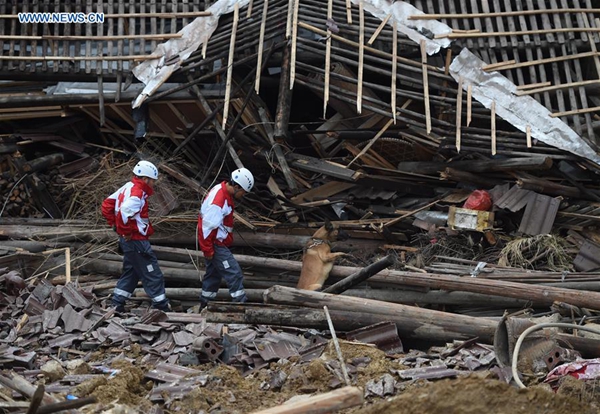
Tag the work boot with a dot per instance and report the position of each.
(119, 308)
(163, 306)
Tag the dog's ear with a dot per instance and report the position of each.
(328, 226)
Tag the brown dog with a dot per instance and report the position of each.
(317, 260)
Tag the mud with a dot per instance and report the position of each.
(473, 394)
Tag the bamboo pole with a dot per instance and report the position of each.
(426, 86)
(337, 346)
(236, 16)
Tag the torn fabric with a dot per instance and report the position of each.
(416, 30)
(154, 73)
(520, 111)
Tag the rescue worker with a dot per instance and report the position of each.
(215, 235)
(127, 212)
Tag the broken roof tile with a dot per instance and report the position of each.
(183, 338)
(74, 321)
(74, 297)
(384, 335)
(169, 372)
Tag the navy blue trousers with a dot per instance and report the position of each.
(139, 263)
(222, 266)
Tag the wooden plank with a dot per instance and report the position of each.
(236, 16)
(432, 16)
(13, 31)
(528, 135)
(23, 27)
(3, 10)
(294, 43)
(277, 149)
(361, 56)
(394, 66)
(379, 29)
(425, 86)
(261, 45)
(349, 11)
(518, 33)
(493, 109)
(575, 112)
(290, 13)
(372, 141)
(459, 112)
(330, 188)
(323, 403)
(327, 60)
(55, 45)
(276, 191)
(469, 102)
(66, 43)
(533, 85)
(557, 87)
(34, 32)
(88, 43)
(249, 12)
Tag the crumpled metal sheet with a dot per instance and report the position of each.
(416, 30)
(520, 111)
(153, 73)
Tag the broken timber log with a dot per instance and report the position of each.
(360, 276)
(412, 322)
(541, 294)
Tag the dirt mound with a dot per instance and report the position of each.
(473, 394)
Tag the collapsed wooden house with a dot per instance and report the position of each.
(383, 116)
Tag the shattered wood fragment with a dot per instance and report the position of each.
(323, 403)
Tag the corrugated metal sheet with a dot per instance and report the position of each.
(539, 215)
(514, 199)
(588, 258)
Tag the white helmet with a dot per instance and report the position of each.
(145, 169)
(244, 178)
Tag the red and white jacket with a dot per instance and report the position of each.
(127, 208)
(215, 221)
